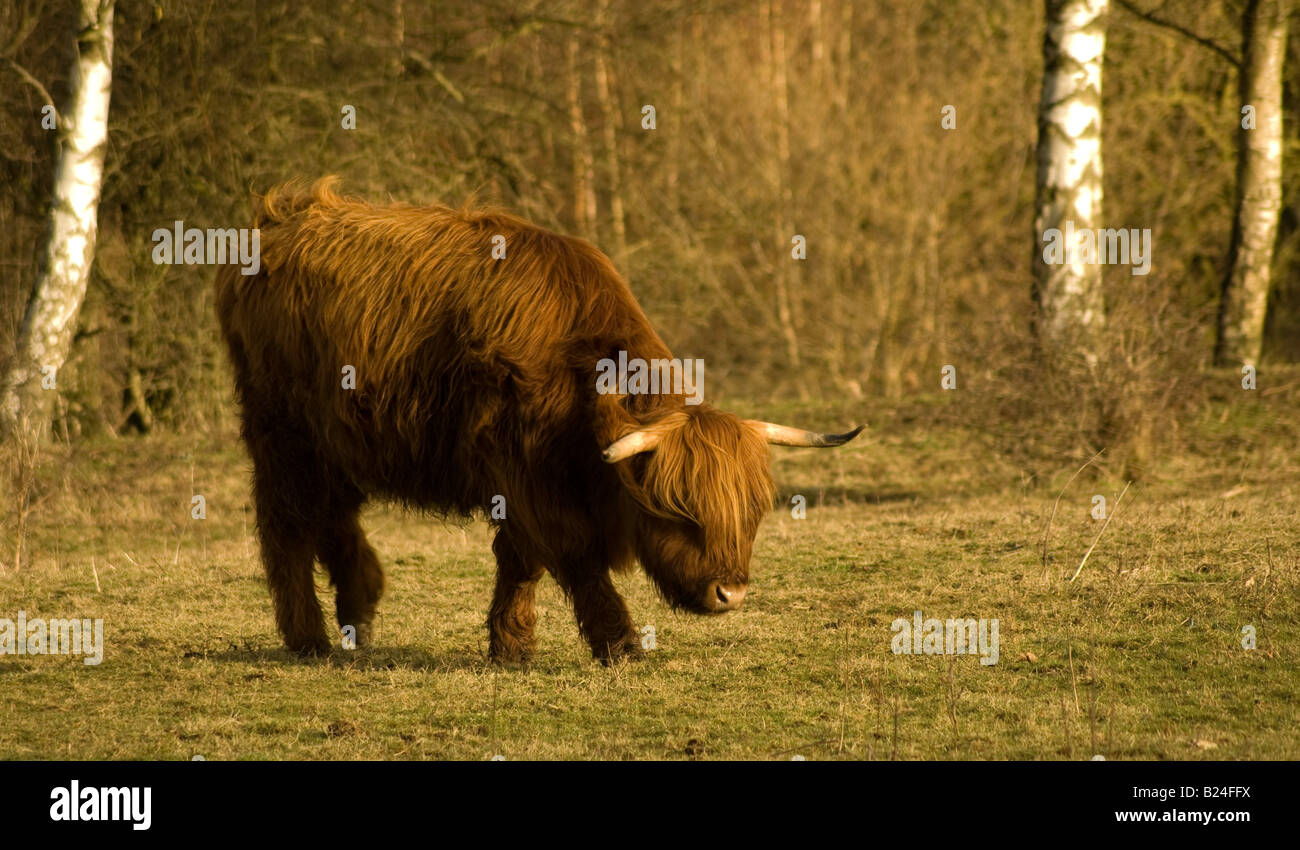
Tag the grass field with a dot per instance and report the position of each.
(1140, 658)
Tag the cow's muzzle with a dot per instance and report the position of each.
(724, 596)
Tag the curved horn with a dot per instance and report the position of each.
(642, 439)
(784, 435)
(634, 443)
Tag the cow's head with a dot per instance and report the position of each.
(700, 481)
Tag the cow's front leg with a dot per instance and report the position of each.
(603, 618)
(513, 617)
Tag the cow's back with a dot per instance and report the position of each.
(422, 365)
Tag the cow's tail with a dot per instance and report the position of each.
(288, 199)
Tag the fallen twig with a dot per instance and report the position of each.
(1048, 531)
(1109, 517)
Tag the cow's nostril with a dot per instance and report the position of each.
(725, 597)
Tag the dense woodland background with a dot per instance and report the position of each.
(815, 117)
(773, 118)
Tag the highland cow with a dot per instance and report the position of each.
(388, 351)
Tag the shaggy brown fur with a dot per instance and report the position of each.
(475, 377)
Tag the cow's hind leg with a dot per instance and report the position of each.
(286, 490)
(513, 617)
(352, 565)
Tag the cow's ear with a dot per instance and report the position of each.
(784, 435)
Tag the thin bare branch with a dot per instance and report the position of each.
(36, 84)
(1150, 18)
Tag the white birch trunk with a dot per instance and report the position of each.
(51, 318)
(1244, 297)
(1069, 187)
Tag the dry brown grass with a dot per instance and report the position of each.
(1140, 658)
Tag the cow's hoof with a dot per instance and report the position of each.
(510, 654)
(512, 661)
(311, 648)
(520, 662)
(359, 636)
(630, 650)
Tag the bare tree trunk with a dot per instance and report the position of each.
(818, 36)
(551, 155)
(844, 51)
(398, 62)
(818, 67)
(1244, 297)
(674, 127)
(584, 180)
(781, 98)
(45, 336)
(613, 127)
(1069, 184)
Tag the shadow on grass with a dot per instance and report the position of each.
(821, 495)
(376, 658)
